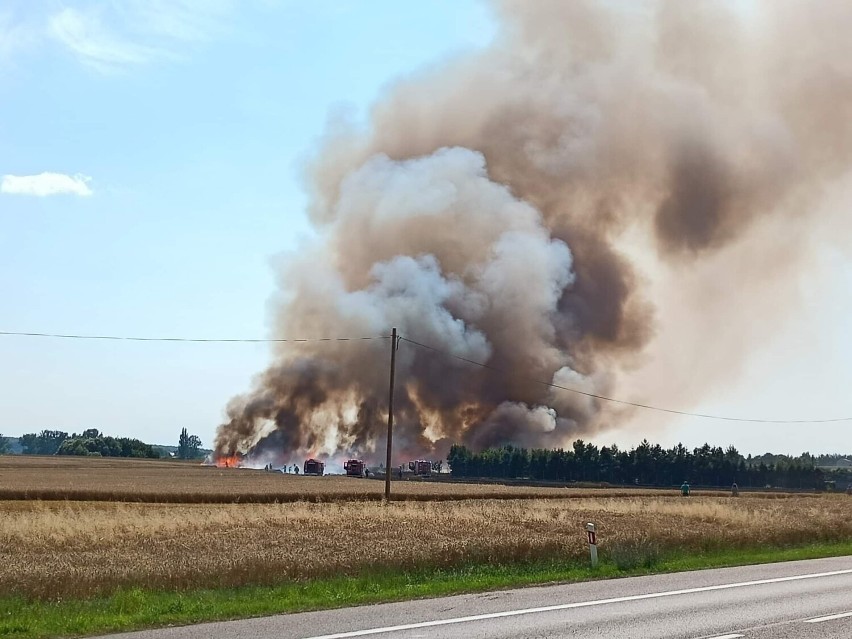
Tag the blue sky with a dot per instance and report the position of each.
(190, 131)
(176, 131)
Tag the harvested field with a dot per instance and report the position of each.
(154, 481)
(68, 549)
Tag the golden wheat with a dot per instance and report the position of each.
(76, 549)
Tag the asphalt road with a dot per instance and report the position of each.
(800, 600)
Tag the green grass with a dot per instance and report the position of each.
(134, 608)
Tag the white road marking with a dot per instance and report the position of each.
(830, 617)
(729, 637)
(569, 606)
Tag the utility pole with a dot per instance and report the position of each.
(390, 416)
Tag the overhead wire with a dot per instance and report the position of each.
(132, 338)
(626, 402)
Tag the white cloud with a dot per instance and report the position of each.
(45, 184)
(85, 35)
(180, 20)
(15, 35)
(112, 36)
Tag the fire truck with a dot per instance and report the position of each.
(420, 467)
(354, 467)
(314, 467)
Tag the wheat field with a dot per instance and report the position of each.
(55, 550)
(76, 528)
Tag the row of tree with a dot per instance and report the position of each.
(843, 461)
(92, 442)
(647, 464)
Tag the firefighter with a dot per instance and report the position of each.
(684, 489)
(735, 490)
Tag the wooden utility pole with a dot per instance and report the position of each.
(390, 416)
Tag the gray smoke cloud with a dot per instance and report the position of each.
(495, 206)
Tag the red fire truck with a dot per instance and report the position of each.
(354, 467)
(420, 467)
(314, 467)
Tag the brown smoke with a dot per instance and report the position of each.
(496, 204)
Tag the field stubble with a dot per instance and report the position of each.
(154, 481)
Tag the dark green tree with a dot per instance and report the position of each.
(194, 446)
(4, 445)
(648, 464)
(183, 444)
(188, 445)
(94, 444)
(47, 442)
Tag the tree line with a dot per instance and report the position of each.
(647, 464)
(90, 443)
(843, 461)
(93, 443)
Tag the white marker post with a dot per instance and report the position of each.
(593, 544)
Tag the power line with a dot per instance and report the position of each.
(628, 403)
(133, 338)
(130, 338)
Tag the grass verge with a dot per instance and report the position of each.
(132, 609)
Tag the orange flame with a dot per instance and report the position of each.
(229, 461)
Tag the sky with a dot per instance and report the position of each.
(151, 156)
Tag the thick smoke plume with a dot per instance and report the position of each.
(496, 205)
